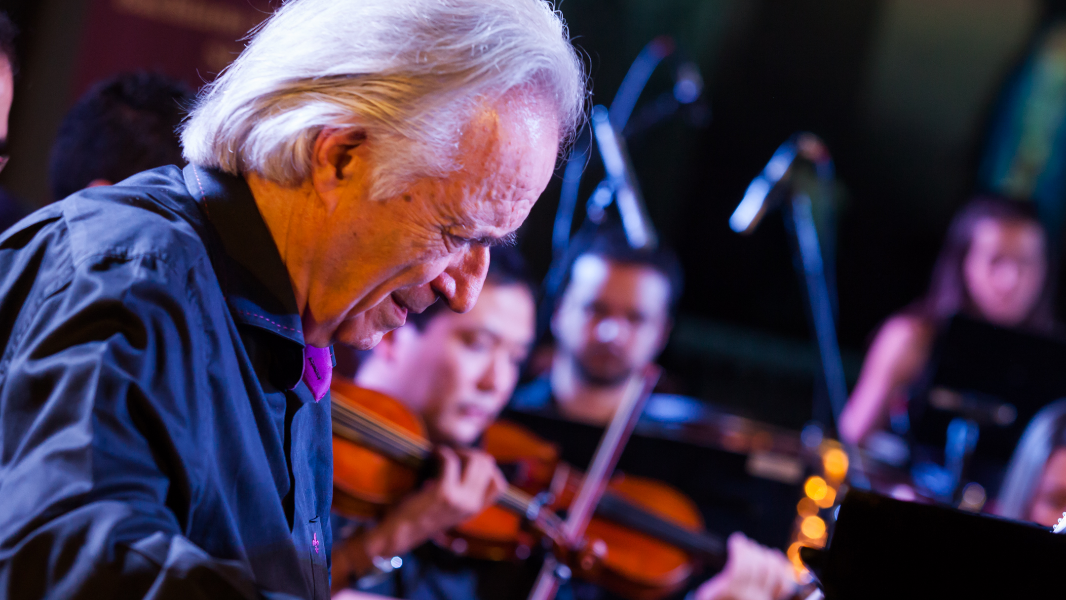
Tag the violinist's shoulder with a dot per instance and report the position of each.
(533, 396)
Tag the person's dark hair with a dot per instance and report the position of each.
(120, 127)
(947, 294)
(8, 33)
(1044, 434)
(609, 241)
(506, 267)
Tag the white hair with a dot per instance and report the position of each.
(409, 72)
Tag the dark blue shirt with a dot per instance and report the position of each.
(156, 439)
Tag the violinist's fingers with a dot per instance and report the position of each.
(744, 559)
(451, 466)
(480, 476)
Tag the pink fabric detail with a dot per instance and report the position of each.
(314, 541)
(252, 314)
(318, 370)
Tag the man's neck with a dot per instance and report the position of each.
(581, 400)
(283, 211)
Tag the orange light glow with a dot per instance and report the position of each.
(807, 507)
(813, 527)
(794, 553)
(829, 498)
(794, 557)
(816, 488)
(835, 462)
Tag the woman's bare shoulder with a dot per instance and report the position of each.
(904, 337)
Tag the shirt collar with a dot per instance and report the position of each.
(256, 282)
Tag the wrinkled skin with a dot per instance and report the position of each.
(359, 264)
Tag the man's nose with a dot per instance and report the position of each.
(460, 283)
(490, 377)
(1007, 275)
(609, 330)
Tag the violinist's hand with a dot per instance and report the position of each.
(753, 572)
(469, 482)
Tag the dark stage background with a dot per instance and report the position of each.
(900, 90)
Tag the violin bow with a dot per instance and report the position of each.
(592, 488)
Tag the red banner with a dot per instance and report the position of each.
(191, 40)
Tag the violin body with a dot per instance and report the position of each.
(625, 561)
(637, 565)
(365, 482)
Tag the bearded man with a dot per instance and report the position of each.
(164, 415)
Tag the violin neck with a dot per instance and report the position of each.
(617, 509)
(366, 429)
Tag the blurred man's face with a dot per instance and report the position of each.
(7, 93)
(460, 372)
(613, 318)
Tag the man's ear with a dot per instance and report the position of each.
(338, 160)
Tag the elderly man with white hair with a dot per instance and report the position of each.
(164, 416)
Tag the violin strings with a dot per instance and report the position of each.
(359, 426)
(354, 422)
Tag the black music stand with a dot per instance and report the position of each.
(985, 382)
(886, 548)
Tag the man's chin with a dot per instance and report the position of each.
(603, 376)
(359, 334)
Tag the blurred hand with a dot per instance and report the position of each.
(753, 572)
(469, 482)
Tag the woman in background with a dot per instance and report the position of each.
(1035, 486)
(995, 265)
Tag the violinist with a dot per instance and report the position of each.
(457, 371)
(612, 319)
(1034, 488)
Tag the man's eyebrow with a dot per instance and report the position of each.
(508, 240)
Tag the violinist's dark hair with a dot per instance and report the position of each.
(8, 33)
(506, 267)
(1044, 434)
(120, 127)
(948, 295)
(609, 241)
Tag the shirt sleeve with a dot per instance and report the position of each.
(98, 377)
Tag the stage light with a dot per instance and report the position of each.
(807, 508)
(829, 498)
(813, 527)
(835, 462)
(816, 488)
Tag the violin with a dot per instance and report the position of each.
(380, 453)
(644, 541)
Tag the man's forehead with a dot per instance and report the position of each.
(509, 151)
(599, 275)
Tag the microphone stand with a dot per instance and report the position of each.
(776, 185)
(687, 89)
